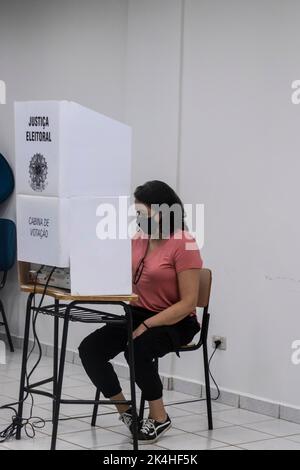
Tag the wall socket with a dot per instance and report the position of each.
(223, 339)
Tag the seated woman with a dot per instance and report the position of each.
(166, 265)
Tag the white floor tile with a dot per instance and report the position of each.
(234, 435)
(229, 448)
(10, 389)
(80, 377)
(127, 447)
(195, 423)
(95, 437)
(276, 427)
(187, 441)
(80, 411)
(294, 438)
(82, 391)
(4, 399)
(175, 412)
(5, 379)
(40, 442)
(107, 419)
(66, 426)
(68, 382)
(200, 407)
(239, 417)
(171, 396)
(272, 444)
(105, 414)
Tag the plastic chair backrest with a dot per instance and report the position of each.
(8, 244)
(7, 182)
(204, 288)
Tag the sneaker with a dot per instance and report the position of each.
(152, 430)
(126, 418)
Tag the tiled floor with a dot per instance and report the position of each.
(234, 429)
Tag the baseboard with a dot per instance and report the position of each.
(179, 384)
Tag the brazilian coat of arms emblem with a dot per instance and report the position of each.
(38, 172)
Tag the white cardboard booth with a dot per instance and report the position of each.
(65, 150)
(70, 160)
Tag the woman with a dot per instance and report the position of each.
(166, 265)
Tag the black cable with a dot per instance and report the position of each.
(212, 377)
(31, 423)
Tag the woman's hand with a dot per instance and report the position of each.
(139, 331)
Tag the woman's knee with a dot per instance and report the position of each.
(88, 345)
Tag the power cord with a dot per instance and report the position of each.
(31, 423)
(217, 345)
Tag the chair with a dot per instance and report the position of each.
(203, 302)
(6, 179)
(7, 259)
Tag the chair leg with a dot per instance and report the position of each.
(207, 386)
(5, 323)
(95, 409)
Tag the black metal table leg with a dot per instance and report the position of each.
(24, 364)
(142, 408)
(132, 377)
(60, 376)
(55, 353)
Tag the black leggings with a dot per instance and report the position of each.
(97, 349)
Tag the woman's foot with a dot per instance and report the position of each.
(126, 418)
(152, 430)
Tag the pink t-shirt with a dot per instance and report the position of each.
(157, 287)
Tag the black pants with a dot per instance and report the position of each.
(97, 349)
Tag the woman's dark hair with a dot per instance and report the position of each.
(157, 193)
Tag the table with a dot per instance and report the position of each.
(78, 309)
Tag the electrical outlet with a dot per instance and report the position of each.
(223, 345)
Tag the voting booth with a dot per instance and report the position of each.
(70, 161)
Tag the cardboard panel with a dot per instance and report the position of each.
(64, 149)
(43, 230)
(100, 259)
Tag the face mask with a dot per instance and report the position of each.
(147, 224)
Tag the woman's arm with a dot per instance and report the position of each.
(188, 284)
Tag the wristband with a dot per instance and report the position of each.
(148, 327)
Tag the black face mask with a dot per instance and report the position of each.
(147, 224)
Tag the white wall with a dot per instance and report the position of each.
(240, 156)
(153, 87)
(222, 113)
